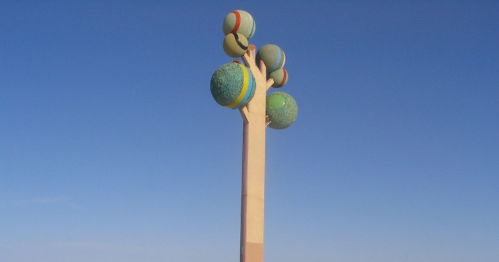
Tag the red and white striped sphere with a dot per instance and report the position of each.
(239, 21)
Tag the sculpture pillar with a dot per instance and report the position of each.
(253, 175)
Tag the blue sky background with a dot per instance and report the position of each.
(112, 148)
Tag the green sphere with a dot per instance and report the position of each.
(232, 85)
(281, 109)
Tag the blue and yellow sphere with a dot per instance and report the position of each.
(239, 21)
(272, 56)
(232, 85)
(281, 109)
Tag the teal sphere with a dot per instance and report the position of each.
(272, 56)
(281, 110)
(232, 85)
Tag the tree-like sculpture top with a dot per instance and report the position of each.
(244, 87)
(236, 86)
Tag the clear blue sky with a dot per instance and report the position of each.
(112, 148)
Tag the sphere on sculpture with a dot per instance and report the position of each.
(272, 56)
(239, 21)
(232, 85)
(281, 110)
(280, 77)
(235, 44)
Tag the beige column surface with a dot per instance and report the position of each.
(253, 177)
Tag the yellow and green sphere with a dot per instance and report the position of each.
(281, 110)
(232, 85)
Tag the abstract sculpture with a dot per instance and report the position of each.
(245, 87)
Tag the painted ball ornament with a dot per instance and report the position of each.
(235, 44)
(232, 85)
(281, 110)
(239, 21)
(280, 77)
(272, 56)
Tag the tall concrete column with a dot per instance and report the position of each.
(253, 173)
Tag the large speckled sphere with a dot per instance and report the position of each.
(232, 85)
(272, 56)
(281, 109)
(280, 77)
(235, 44)
(239, 21)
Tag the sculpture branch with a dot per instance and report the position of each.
(270, 82)
(244, 113)
(250, 61)
(257, 104)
